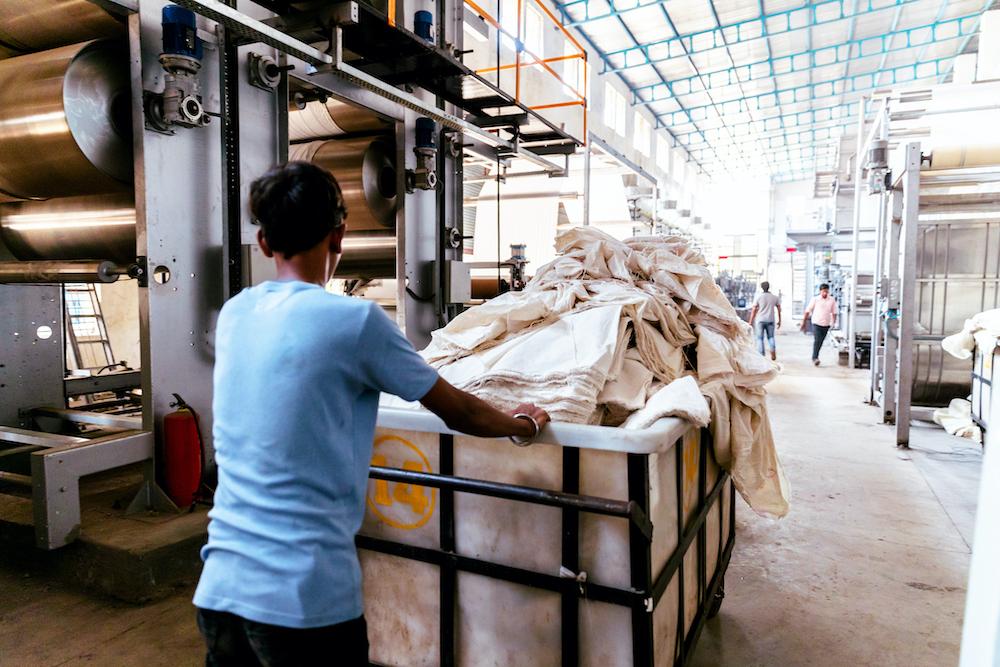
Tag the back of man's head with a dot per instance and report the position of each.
(296, 205)
(765, 286)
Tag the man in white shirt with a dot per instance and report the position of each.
(823, 312)
(762, 318)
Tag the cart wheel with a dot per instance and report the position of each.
(716, 604)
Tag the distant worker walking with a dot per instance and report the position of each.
(823, 312)
(762, 318)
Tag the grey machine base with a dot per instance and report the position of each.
(135, 558)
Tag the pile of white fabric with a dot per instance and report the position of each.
(982, 329)
(621, 333)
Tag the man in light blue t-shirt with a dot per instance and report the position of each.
(298, 373)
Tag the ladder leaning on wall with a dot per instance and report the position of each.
(86, 330)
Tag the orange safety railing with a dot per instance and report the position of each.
(526, 58)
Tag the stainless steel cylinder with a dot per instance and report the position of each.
(65, 122)
(91, 227)
(36, 25)
(367, 175)
(331, 119)
(368, 257)
(44, 273)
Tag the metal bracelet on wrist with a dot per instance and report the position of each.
(524, 442)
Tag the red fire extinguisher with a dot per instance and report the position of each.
(182, 454)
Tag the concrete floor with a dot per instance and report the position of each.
(868, 569)
(870, 566)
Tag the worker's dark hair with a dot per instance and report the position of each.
(765, 285)
(297, 205)
(824, 286)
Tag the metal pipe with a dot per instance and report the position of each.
(47, 272)
(14, 478)
(604, 506)
(852, 302)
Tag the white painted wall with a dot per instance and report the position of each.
(120, 305)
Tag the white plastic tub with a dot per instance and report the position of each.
(569, 572)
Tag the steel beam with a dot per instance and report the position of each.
(791, 119)
(780, 139)
(855, 83)
(845, 52)
(796, 151)
(909, 183)
(776, 23)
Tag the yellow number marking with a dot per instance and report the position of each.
(419, 501)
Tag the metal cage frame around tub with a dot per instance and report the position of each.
(983, 374)
(645, 592)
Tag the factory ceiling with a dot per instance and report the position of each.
(769, 87)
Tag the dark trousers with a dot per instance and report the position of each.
(819, 335)
(238, 642)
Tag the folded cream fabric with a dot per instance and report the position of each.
(624, 333)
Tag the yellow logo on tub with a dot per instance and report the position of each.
(398, 504)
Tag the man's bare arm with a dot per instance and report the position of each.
(462, 411)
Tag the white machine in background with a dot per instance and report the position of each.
(936, 239)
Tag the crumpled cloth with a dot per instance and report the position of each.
(622, 333)
(981, 327)
(956, 419)
(680, 398)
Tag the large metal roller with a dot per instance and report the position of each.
(65, 121)
(330, 119)
(367, 176)
(368, 257)
(103, 227)
(35, 25)
(92, 227)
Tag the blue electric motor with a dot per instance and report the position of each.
(423, 22)
(425, 130)
(180, 35)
